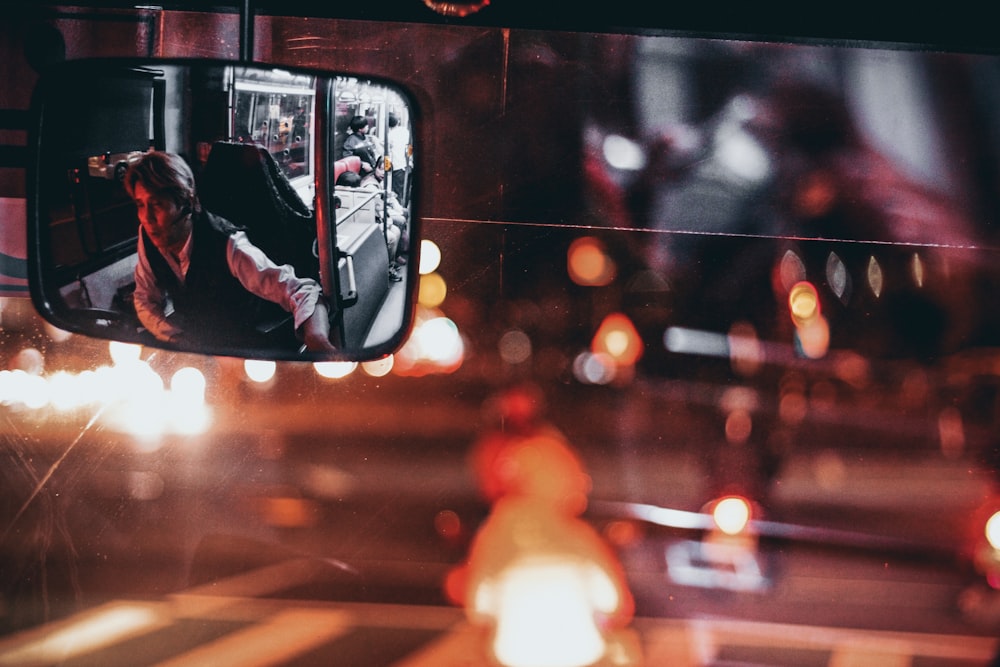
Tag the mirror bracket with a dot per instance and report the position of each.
(246, 31)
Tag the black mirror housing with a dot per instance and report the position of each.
(260, 248)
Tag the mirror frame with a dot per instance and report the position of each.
(45, 291)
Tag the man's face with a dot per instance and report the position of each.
(162, 219)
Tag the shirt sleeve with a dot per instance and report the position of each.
(149, 299)
(261, 276)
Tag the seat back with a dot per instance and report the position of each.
(242, 183)
(349, 163)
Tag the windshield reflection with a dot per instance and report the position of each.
(737, 275)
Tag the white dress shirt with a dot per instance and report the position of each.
(248, 263)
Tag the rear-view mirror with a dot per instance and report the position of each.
(224, 208)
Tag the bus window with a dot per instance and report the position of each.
(274, 109)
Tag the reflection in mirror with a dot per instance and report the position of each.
(223, 208)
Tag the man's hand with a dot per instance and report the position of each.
(316, 330)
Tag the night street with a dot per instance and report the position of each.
(356, 520)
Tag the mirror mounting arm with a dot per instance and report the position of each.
(246, 31)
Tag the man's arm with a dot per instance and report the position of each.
(302, 297)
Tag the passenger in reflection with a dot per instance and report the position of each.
(400, 157)
(198, 276)
(359, 143)
(396, 224)
(260, 136)
(540, 581)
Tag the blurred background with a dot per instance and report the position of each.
(720, 268)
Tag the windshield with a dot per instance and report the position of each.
(717, 313)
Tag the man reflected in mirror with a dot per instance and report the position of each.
(359, 143)
(199, 279)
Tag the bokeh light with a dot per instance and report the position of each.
(129, 396)
(590, 368)
(875, 279)
(523, 608)
(439, 340)
(743, 156)
(63, 394)
(188, 385)
(432, 290)
(515, 347)
(791, 270)
(814, 338)
(731, 514)
(623, 153)
(379, 367)
(746, 354)
(588, 262)
(793, 406)
(951, 431)
(334, 370)
(812, 331)
(29, 360)
(837, 277)
(430, 257)
(259, 370)
(618, 338)
(123, 353)
(917, 270)
(993, 530)
(435, 345)
(34, 390)
(803, 303)
(448, 524)
(739, 425)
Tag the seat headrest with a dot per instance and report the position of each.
(349, 163)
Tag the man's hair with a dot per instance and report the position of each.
(164, 174)
(350, 179)
(393, 120)
(358, 122)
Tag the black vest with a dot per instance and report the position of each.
(212, 306)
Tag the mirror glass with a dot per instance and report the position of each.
(224, 208)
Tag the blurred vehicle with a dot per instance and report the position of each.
(111, 165)
(744, 265)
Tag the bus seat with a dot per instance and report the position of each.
(243, 183)
(349, 163)
(366, 244)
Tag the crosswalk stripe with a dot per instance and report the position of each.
(299, 631)
(672, 645)
(462, 646)
(857, 657)
(90, 630)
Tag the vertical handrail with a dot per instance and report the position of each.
(325, 225)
